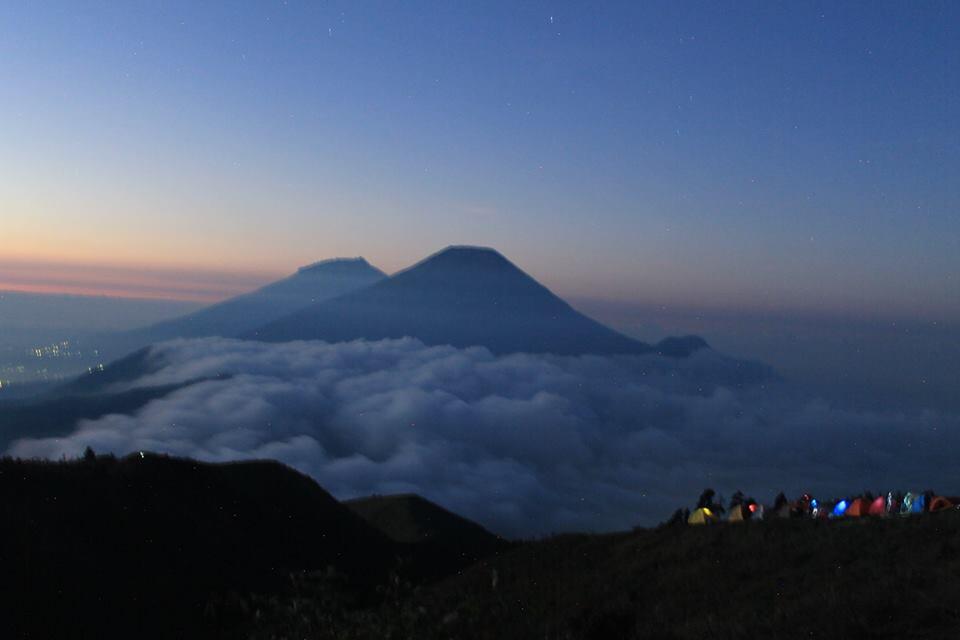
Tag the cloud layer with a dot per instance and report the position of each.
(524, 444)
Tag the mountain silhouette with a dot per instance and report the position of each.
(230, 318)
(412, 519)
(461, 296)
(439, 540)
(142, 543)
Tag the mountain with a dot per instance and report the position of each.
(412, 519)
(141, 546)
(309, 285)
(439, 541)
(680, 346)
(461, 296)
(57, 414)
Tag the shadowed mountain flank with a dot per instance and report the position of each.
(309, 285)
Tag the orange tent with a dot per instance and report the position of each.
(940, 504)
(857, 508)
(878, 507)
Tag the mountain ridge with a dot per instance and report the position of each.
(464, 296)
(229, 318)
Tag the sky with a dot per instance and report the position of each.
(756, 157)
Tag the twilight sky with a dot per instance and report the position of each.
(767, 157)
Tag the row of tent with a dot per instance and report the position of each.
(809, 507)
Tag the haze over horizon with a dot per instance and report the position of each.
(797, 161)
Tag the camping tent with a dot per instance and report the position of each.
(940, 504)
(919, 503)
(739, 513)
(878, 507)
(702, 515)
(907, 505)
(785, 511)
(858, 507)
(840, 509)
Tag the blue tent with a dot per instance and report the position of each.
(840, 508)
(913, 503)
(919, 504)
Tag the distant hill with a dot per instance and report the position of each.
(309, 285)
(56, 414)
(55, 410)
(439, 542)
(136, 547)
(461, 296)
(412, 519)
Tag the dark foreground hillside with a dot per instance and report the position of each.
(855, 578)
(411, 519)
(867, 578)
(156, 547)
(145, 546)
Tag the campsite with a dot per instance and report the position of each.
(742, 509)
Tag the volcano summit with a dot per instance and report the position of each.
(462, 296)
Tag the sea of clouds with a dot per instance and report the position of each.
(524, 444)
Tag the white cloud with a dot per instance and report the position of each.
(524, 444)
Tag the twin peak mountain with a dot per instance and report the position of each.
(461, 296)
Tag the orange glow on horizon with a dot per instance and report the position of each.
(111, 292)
(151, 283)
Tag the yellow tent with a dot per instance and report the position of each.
(701, 516)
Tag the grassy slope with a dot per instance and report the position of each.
(897, 578)
(783, 579)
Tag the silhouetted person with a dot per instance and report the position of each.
(705, 498)
(779, 501)
(737, 499)
(706, 501)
